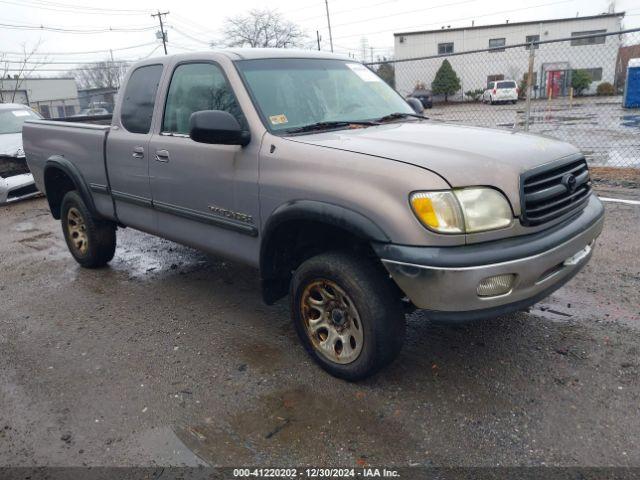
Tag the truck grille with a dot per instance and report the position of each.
(554, 190)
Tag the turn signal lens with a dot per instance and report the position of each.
(438, 211)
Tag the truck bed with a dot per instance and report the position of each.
(80, 144)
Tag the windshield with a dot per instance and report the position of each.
(295, 92)
(11, 120)
(506, 84)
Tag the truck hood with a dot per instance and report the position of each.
(463, 156)
(10, 143)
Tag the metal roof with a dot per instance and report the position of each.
(532, 22)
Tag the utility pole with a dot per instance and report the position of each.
(326, 3)
(318, 37)
(164, 35)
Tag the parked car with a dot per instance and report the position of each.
(92, 112)
(502, 91)
(425, 97)
(16, 182)
(309, 167)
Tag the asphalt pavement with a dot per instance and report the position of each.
(169, 357)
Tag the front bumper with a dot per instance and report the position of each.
(17, 187)
(445, 280)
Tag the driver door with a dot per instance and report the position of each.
(194, 185)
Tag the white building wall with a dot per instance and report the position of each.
(60, 95)
(473, 69)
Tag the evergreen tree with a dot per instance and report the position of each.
(446, 81)
(387, 72)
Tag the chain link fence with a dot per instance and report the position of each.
(572, 89)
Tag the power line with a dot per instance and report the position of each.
(114, 64)
(406, 12)
(87, 52)
(76, 8)
(186, 35)
(456, 19)
(72, 30)
(76, 62)
(73, 9)
(190, 23)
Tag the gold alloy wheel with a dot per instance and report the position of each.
(77, 230)
(332, 321)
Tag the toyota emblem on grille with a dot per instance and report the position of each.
(569, 181)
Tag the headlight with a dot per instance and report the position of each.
(465, 210)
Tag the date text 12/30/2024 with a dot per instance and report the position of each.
(315, 473)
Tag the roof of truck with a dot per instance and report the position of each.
(259, 53)
(256, 53)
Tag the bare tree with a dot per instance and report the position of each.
(14, 72)
(105, 74)
(261, 29)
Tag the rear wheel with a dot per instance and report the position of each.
(91, 241)
(346, 314)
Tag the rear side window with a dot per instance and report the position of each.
(506, 84)
(139, 99)
(195, 87)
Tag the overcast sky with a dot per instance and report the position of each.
(192, 24)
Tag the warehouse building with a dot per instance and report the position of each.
(52, 97)
(553, 65)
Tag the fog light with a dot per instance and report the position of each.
(496, 285)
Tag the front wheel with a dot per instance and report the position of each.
(347, 314)
(91, 241)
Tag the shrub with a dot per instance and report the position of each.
(605, 88)
(580, 81)
(474, 95)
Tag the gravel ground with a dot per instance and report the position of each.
(168, 357)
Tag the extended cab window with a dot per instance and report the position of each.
(139, 99)
(195, 87)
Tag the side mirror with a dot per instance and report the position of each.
(416, 105)
(218, 127)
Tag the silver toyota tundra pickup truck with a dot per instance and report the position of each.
(307, 166)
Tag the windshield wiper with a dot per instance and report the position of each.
(327, 125)
(394, 116)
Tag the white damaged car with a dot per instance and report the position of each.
(16, 181)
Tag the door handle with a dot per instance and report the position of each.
(138, 152)
(162, 156)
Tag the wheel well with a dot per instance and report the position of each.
(57, 183)
(295, 241)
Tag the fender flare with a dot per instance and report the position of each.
(321, 212)
(76, 177)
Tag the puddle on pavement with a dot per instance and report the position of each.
(632, 121)
(159, 257)
(163, 447)
(260, 356)
(303, 425)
